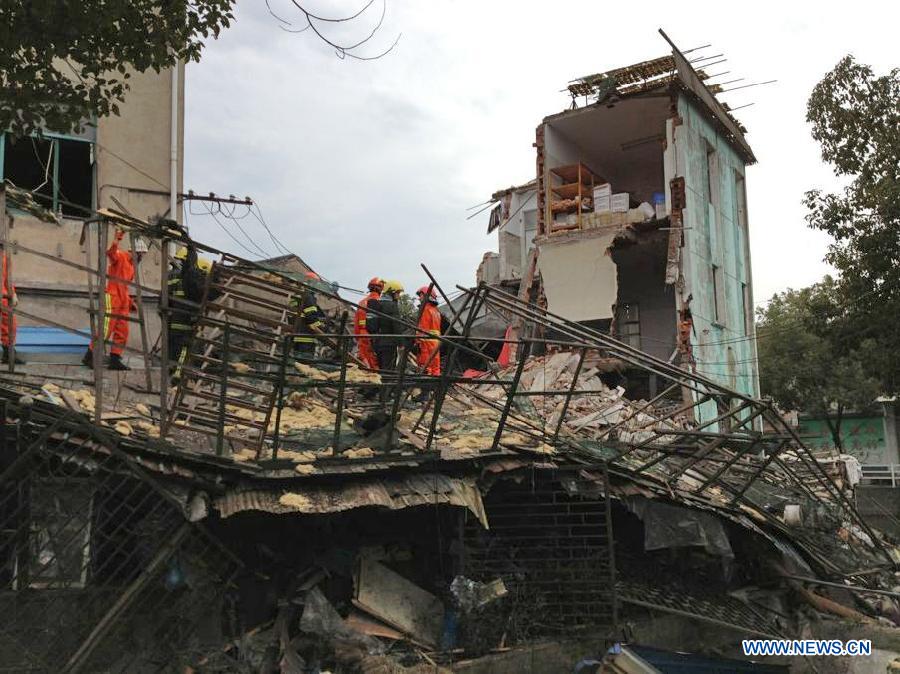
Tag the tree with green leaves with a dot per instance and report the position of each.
(65, 63)
(855, 117)
(809, 357)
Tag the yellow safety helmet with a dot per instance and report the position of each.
(181, 253)
(393, 287)
(204, 265)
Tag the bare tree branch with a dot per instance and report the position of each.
(339, 20)
(341, 50)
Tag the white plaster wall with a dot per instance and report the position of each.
(521, 203)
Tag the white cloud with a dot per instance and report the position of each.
(367, 168)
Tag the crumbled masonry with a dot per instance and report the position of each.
(259, 508)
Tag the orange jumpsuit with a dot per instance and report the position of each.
(7, 336)
(118, 300)
(430, 324)
(366, 352)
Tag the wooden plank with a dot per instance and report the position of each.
(398, 602)
(359, 621)
(211, 417)
(247, 316)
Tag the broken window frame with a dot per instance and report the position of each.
(59, 201)
(628, 324)
(84, 532)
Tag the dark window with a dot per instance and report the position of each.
(28, 164)
(76, 177)
(57, 170)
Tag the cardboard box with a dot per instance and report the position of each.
(601, 204)
(619, 202)
(602, 190)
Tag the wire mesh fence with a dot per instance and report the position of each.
(99, 570)
(553, 551)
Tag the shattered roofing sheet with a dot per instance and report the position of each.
(393, 493)
(717, 610)
(639, 73)
(664, 453)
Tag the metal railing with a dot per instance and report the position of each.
(881, 475)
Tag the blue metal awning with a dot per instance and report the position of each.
(39, 339)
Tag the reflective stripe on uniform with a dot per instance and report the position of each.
(107, 301)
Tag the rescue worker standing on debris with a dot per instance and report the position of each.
(386, 327)
(429, 347)
(8, 326)
(186, 280)
(309, 319)
(360, 324)
(119, 272)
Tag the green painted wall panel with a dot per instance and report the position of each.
(713, 236)
(864, 437)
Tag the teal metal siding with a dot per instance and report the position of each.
(713, 236)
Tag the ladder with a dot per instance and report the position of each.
(256, 313)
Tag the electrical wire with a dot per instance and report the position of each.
(224, 229)
(46, 166)
(249, 238)
(127, 163)
(275, 240)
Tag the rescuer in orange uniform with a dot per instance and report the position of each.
(429, 347)
(119, 272)
(9, 298)
(366, 351)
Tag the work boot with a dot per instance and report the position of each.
(115, 363)
(88, 359)
(19, 361)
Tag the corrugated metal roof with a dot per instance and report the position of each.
(394, 493)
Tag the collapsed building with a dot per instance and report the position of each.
(636, 221)
(264, 513)
(268, 514)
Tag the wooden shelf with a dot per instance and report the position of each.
(569, 173)
(574, 194)
(570, 208)
(568, 191)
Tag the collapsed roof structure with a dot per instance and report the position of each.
(313, 513)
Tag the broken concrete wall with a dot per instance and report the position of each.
(579, 276)
(716, 257)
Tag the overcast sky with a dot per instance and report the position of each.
(367, 168)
